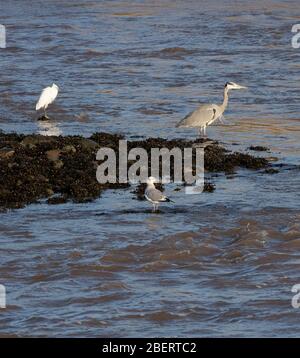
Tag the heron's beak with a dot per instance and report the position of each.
(240, 87)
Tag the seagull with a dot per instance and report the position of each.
(207, 113)
(154, 195)
(47, 96)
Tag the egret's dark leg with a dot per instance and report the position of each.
(45, 114)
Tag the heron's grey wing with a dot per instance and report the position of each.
(155, 195)
(184, 121)
(202, 116)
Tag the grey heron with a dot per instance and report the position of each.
(154, 195)
(206, 114)
(47, 96)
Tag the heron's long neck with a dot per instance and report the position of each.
(225, 100)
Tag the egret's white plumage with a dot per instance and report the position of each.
(47, 96)
(206, 114)
(154, 195)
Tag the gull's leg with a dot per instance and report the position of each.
(153, 207)
(204, 131)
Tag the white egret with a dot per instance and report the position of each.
(47, 96)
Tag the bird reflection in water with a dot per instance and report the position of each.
(48, 128)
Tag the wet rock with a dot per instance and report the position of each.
(69, 149)
(32, 141)
(53, 154)
(6, 153)
(49, 192)
(271, 171)
(258, 148)
(88, 144)
(10, 140)
(107, 139)
(209, 187)
(247, 161)
(58, 164)
(55, 200)
(43, 118)
(66, 166)
(271, 159)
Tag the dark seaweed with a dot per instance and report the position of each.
(34, 167)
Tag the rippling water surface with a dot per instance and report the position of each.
(215, 264)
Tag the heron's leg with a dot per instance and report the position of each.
(202, 132)
(221, 119)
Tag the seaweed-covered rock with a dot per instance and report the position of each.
(6, 153)
(61, 168)
(258, 148)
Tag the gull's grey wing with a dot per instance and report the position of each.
(202, 116)
(155, 195)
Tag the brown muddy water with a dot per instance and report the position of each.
(215, 264)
